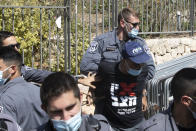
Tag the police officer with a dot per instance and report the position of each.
(29, 74)
(18, 98)
(181, 115)
(108, 47)
(61, 99)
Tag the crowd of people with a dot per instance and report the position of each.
(121, 64)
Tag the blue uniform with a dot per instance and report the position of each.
(21, 100)
(10, 122)
(161, 122)
(34, 75)
(107, 47)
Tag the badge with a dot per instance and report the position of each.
(93, 46)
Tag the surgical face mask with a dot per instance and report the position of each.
(134, 72)
(194, 113)
(133, 33)
(3, 80)
(73, 124)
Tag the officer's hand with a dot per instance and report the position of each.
(89, 79)
(144, 101)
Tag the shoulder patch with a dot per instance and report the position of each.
(93, 46)
(1, 109)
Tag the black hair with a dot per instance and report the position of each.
(10, 56)
(4, 35)
(55, 85)
(125, 13)
(184, 83)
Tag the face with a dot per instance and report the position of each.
(3, 67)
(130, 64)
(11, 41)
(129, 24)
(132, 22)
(64, 107)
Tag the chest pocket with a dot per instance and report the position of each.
(111, 54)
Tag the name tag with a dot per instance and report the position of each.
(110, 48)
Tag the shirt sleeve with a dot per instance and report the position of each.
(91, 58)
(8, 107)
(34, 75)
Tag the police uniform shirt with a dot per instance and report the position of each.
(21, 100)
(123, 107)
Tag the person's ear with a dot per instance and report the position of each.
(12, 69)
(122, 23)
(185, 100)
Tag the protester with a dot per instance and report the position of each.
(61, 99)
(108, 48)
(181, 114)
(29, 74)
(123, 87)
(18, 98)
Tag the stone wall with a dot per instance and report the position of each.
(165, 49)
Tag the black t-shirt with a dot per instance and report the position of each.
(123, 93)
(186, 129)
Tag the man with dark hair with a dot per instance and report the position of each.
(18, 98)
(61, 99)
(29, 74)
(181, 115)
(108, 48)
(123, 88)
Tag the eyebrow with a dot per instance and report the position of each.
(70, 106)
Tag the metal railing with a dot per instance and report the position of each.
(44, 45)
(159, 87)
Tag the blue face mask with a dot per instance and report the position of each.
(133, 33)
(3, 80)
(134, 72)
(73, 124)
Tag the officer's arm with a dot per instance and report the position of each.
(34, 75)
(91, 58)
(148, 70)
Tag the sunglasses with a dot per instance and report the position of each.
(134, 24)
(17, 45)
